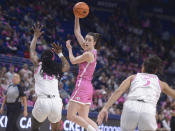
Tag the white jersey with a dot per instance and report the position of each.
(145, 87)
(45, 85)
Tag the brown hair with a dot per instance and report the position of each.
(153, 65)
(96, 37)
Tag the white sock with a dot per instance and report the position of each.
(90, 128)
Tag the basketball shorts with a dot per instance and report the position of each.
(83, 92)
(50, 108)
(138, 114)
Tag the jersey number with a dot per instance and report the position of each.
(48, 77)
(147, 82)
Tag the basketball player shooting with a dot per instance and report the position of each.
(47, 72)
(82, 95)
(144, 92)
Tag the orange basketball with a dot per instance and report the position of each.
(81, 9)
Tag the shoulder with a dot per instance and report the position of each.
(88, 53)
(20, 88)
(37, 68)
(129, 79)
(132, 77)
(10, 85)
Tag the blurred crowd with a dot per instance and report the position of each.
(126, 40)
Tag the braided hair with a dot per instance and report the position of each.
(49, 65)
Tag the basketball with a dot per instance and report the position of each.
(81, 9)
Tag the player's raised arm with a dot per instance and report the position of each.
(85, 57)
(37, 33)
(167, 89)
(77, 32)
(58, 50)
(118, 92)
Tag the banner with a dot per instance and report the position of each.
(24, 123)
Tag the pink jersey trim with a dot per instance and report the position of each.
(94, 56)
(84, 69)
(81, 79)
(148, 82)
(36, 71)
(78, 88)
(79, 102)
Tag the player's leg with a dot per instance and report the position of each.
(83, 112)
(147, 120)
(127, 123)
(55, 114)
(35, 124)
(56, 126)
(39, 113)
(130, 116)
(123, 129)
(73, 108)
(147, 130)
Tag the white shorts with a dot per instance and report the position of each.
(138, 114)
(48, 107)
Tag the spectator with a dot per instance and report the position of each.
(125, 44)
(25, 72)
(10, 73)
(172, 124)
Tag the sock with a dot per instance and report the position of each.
(90, 128)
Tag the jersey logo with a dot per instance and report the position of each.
(78, 98)
(147, 82)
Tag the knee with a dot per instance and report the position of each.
(84, 117)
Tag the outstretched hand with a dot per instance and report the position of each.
(68, 45)
(37, 29)
(56, 48)
(103, 114)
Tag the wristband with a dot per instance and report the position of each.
(60, 55)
